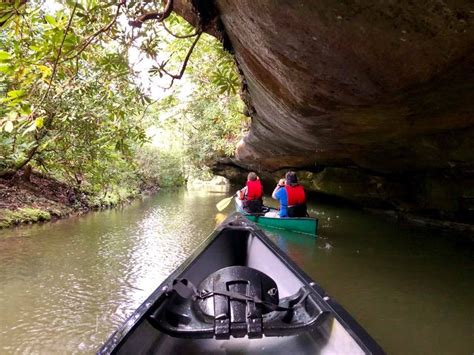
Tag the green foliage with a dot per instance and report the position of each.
(65, 108)
(210, 121)
(112, 197)
(71, 104)
(161, 167)
(225, 79)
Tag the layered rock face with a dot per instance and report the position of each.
(374, 100)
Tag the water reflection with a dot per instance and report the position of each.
(66, 286)
(299, 247)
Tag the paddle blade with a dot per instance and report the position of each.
(223, 203)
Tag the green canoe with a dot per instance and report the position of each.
(295, 224)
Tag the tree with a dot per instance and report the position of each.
(67, 95)
(71, 103)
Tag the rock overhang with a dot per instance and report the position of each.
(382, 88)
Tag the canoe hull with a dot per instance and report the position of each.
(300, 225)
(238, 242)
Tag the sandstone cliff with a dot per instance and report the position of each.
(373, 100)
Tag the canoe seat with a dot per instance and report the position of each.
(238, 301)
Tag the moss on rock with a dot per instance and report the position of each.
(22, 215)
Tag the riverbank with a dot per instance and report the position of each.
(44, 198)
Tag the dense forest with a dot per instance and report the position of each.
(100, 99)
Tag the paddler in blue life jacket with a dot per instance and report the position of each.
(251, 195)
(291, 196)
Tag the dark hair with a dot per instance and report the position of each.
(291, 178)
(252, 176)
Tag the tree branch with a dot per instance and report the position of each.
(154, 15)
(13, 13)
(184, 65)
(89, 40)
(56, 62)
(178, 36)
(146, 109)
(33, 150)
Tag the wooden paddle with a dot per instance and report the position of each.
(222, 204)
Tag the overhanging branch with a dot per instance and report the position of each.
(9, 13)
(154, 15)
(184, 65)
(56, 62)
(91, 38)
(178, 36)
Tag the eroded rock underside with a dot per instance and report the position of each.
(372, 100)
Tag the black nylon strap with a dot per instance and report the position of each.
(185, 289)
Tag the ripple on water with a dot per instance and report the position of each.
(67, 286)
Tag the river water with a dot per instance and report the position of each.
(65, 286)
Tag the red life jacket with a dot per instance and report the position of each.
(296, 195)
(254, 190)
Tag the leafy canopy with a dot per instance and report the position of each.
(71, 102)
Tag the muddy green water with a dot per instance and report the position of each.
(65, 286)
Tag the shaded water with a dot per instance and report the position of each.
(65, 286)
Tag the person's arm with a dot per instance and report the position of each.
(280, 184)
(241, 193)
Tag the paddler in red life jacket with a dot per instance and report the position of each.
(291, 196)
(251, 195)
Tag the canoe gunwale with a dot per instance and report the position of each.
(160, 292)
(237, 221)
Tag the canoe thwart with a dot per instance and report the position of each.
(238, 301)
